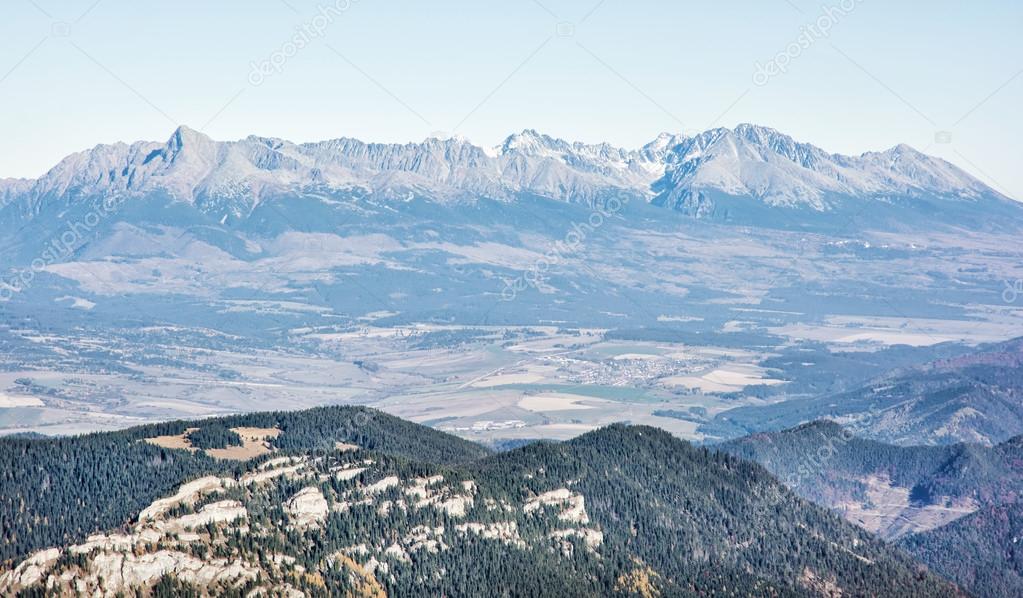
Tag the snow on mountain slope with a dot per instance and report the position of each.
(681, 172)
(763, 164)
(12, 188)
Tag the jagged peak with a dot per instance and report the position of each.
(529, 140)
(903, 149)
(713, 159)
(448, 138)
(268, 141)
(770, 137)
(188, 145)
(665, 141)
(185, 135)
(747, 128)
(899, 150)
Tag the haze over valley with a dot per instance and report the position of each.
(557, 298)
(538, 289)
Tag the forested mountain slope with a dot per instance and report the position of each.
(322, 508)
(954, 507)
(891, 490)
(58, 490)
(981, 552)
(976, 398)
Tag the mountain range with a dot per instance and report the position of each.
(720, 173)
(743, 238)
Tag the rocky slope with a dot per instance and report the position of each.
(219, 533)
(619, 511)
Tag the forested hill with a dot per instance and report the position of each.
(55, 491)
(708, 520)
(828, 464)
(955, 507)
(972, 398)
(982, 552)
(349, 501)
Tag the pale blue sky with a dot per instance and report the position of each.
(398, 70)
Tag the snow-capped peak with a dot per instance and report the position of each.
(186, 135)
(531, 142)
(764, 164)
(749, 161)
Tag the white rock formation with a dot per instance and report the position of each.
(188, 493)
(308, 507)
(382, 485)
(574, 505)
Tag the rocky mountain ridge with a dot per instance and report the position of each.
(749, 161)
